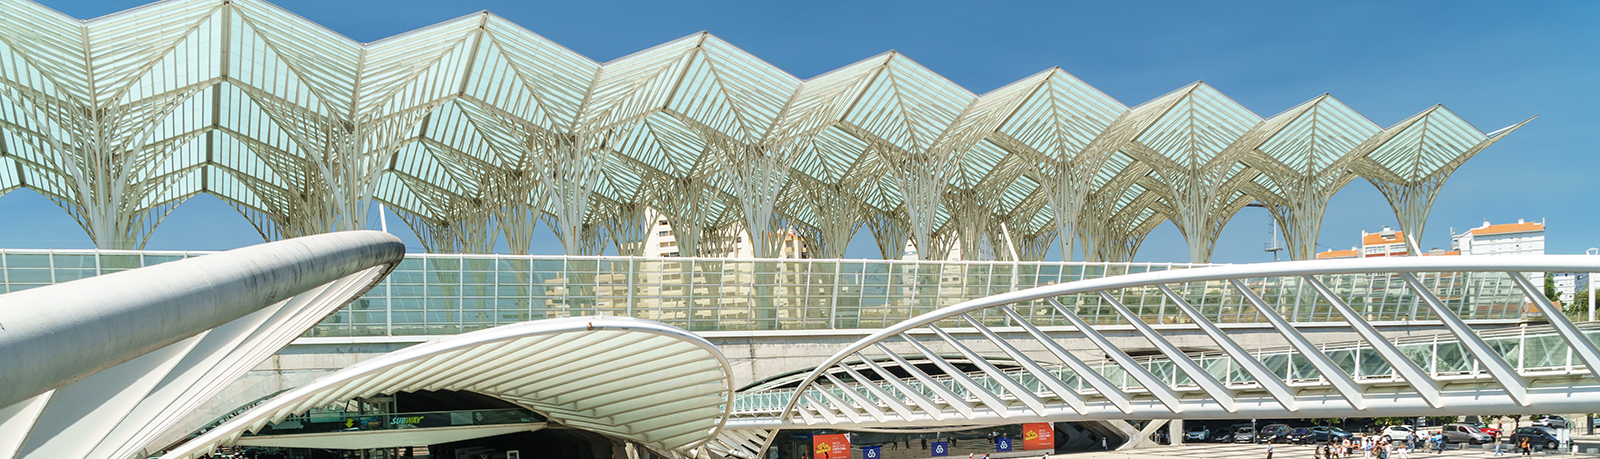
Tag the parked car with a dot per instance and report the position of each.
(1464, 433)
(1493, 432)
(1197, 434)
(1244, 434)
(1398, 433)
(1551, 421)
(1539, 437)
(1298, 436)
(1324, 434)
(1222, 435)
(1273, 433)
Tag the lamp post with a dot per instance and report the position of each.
(1591, 251)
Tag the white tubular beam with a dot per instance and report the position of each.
(1027, 397)
(895, 404)
(1066, 394)
(1158, 388)
(950, 398)
(1580, 344)
(823, 409)
(1111, 392)
(1200, 376)
(1503, 373)
(1347, 387)
(862, 401)
(61, 333)
(844, 408)
(1265, 378)
(977, 390)
(926, 404)
(1419, 381)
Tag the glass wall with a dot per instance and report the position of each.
(450, 294)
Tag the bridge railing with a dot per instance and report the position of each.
(1445, 290)
(1535, 351)
(440, 294)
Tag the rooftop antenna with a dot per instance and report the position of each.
(1272, 244)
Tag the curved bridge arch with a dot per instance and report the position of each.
(1177, 385)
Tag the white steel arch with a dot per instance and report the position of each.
(633, 379)
(1475, 374)
(96, 368)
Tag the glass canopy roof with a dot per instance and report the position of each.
(121, 117)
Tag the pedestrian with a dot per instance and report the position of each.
(1269, 451)
(1411, 442)
(1527, 447)
(1497, 446)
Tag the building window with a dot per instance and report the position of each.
(664, 233)
(667, 244)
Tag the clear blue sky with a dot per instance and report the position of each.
(1493, 63)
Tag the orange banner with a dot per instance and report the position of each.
(835, 446)
(1038, 436)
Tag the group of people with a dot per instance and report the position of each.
(1381, 446)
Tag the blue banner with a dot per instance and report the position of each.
(941, 448)
(872, 452)
(1002, 445)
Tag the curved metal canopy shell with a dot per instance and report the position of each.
(633, 379)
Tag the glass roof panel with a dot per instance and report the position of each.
(1427, 144)
(908, 105)
(1199, 127)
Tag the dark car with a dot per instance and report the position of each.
(1299, 436)
(1244, 434)
(1222, 435)
(1273, 433)
(1539, 437)
(1324, 434)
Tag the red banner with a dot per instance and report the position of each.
(830, 446)
(1038, 436)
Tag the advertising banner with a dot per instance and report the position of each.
(835, 446)
(940, 448)
(1002, 445)
(872, 452)
(1038, 436)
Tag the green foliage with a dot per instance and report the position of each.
(1550, 289)
(1441, 420)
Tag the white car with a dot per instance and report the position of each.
(1398, 433)
(1197, 434)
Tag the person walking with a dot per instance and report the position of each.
(1411, 442)
(1269, 451)
(1527, 447)
(1497, 452)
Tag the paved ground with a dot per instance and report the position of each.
(1248, 451)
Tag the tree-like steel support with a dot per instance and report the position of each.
(116, 177)
(1412, 165)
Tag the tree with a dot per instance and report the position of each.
(1550, 289)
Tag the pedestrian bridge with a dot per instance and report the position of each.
(916, 374)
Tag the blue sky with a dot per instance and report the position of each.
(1493, 63)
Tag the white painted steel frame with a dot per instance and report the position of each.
(660, 386)
(474, 129)
(98, 367)
(1502, 389)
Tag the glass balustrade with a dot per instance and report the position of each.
(451, 294)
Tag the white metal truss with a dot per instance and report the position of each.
(475, 129)
(633, 379)
(97, 368)
(1460, 372)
